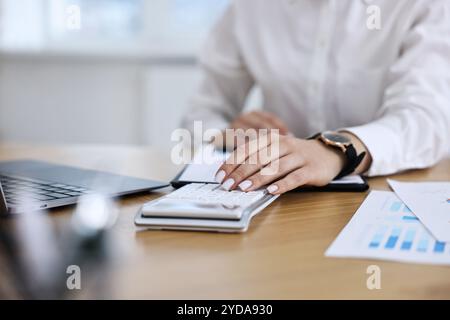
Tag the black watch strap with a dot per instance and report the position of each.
(353, 159)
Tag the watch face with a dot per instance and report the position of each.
(336, 137)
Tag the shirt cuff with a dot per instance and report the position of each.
(382, 144)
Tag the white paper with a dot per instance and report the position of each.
(430, 202)
(204, 166)
(384, 228)
(208, 160)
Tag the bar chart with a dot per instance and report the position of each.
(412, 233)
(430, 203)
(385, 228)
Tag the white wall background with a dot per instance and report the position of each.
(73, 100)
(105, 83)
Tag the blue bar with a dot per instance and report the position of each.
(406, 245)
(410, 218)
(375, 243)
(439, 247)
(376, 240)
(423, 245)
(392, 240)
(408, 241)
(396, 206)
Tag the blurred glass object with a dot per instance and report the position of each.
(94, 214)
(40, 251)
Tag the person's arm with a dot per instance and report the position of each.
(225, 82)
(413, 125)
(412, 129)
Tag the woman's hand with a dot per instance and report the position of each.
(297, 162)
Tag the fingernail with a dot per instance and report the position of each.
(220, 175)
(244, 185)
(228, 184)
(273, 188)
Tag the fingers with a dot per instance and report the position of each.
(250, 122)
(274, 122)
(264, 120)
(240, 123)
(255, 120)
(293, 180)
(243, 151)
(255, 167)
(272, 172)
(260, 120)
(249, 158)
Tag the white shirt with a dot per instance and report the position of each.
(321, 66)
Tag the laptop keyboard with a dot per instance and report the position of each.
(17, 190)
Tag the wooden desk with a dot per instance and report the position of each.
(280, 257)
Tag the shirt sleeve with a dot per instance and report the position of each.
(225, 81)
(412, 129)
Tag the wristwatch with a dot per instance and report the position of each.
(343, 143)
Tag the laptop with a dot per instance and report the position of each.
(29, 185)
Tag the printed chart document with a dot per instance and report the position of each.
(430, 202)
(384, 228)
